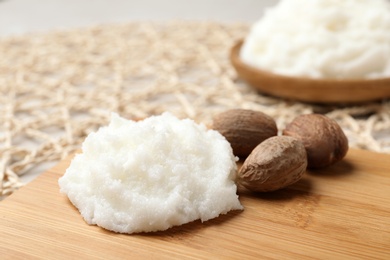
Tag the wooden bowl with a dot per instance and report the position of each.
(310, 90)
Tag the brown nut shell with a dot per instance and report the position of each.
(274, 164)
(244, 129)
(323, 138)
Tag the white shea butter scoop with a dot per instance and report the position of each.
(151, 175)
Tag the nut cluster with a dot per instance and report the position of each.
(274, 162)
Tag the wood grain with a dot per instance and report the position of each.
(342, 212)
(310, 90)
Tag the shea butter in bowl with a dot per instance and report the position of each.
(319, 51)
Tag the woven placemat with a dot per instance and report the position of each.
(59, 86)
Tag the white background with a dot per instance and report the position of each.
(21, 16)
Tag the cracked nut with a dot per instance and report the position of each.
(244, 129)
(323, 138)
(274, 164)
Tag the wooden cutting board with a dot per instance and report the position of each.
(342, 212)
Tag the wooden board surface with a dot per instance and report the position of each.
(342, 212)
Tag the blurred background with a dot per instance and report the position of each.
(58, 66)
(21, 16)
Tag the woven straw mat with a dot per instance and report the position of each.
(57, 87)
